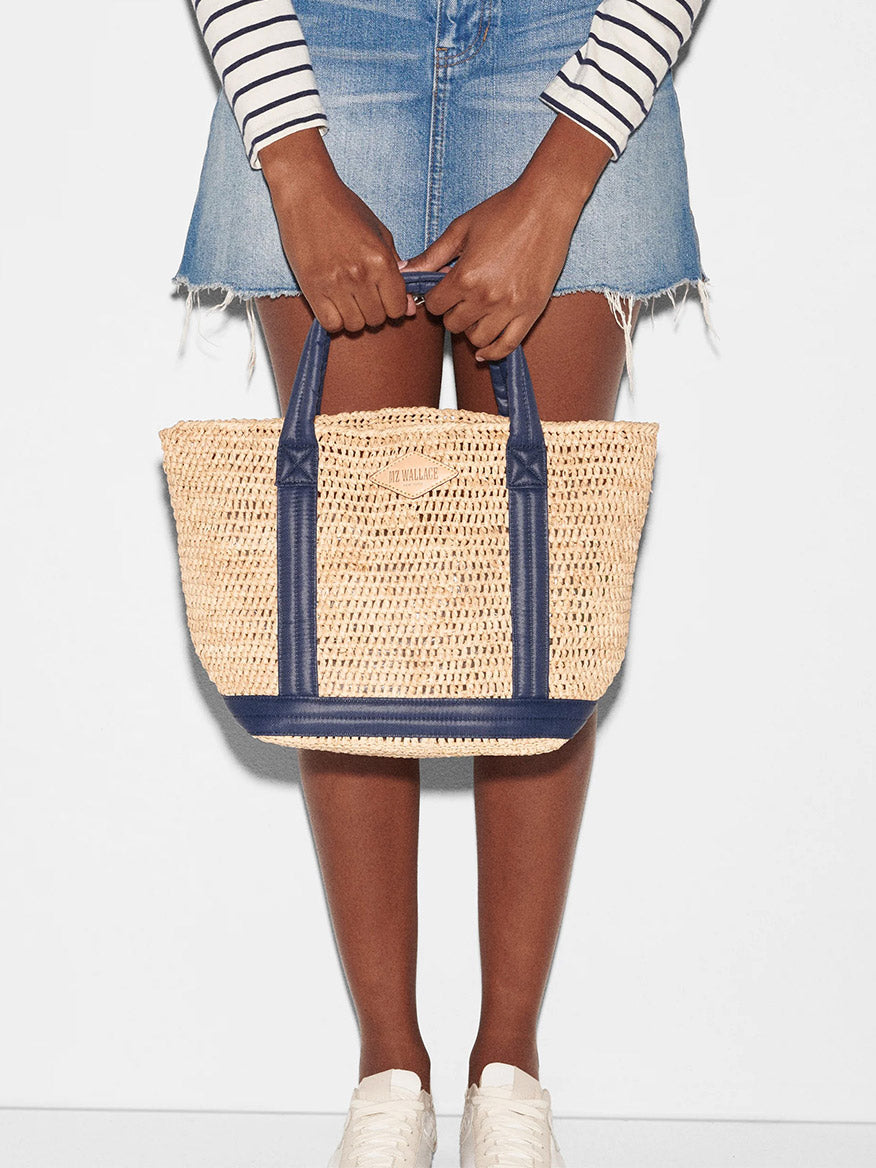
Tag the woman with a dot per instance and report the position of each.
(423, 146)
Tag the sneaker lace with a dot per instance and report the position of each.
(381, 1128)
(511, 1132)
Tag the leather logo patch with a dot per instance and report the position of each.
(413, 475)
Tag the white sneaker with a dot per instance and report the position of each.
(507, 1122)
(390, 1124)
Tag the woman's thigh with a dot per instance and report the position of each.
(575, 354)
(399, 363)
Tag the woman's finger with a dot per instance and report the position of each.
(464, 315)
(327, 313)
(351, 313)
(505, 342)
(394, 297)
(370, 303)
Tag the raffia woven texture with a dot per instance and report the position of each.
(413, 595)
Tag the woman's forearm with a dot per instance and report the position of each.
(566, 165)
(296, 160)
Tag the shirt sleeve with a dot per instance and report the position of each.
(264, 66)
(608, 85)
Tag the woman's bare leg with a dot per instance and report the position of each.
(364, 810)
(528, 809)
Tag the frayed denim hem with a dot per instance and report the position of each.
(621, 304)
(193, 300)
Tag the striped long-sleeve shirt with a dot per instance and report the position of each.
(607, 86)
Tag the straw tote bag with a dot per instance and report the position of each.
(409, 581)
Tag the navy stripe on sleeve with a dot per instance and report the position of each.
(658, 16)
(639, 32)
(579, 118)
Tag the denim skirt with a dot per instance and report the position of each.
(432, 106)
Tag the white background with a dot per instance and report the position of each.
(165, 933)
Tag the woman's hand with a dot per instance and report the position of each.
(513, 245)
(343, 257)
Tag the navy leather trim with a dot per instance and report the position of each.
(380, 717)
(297, 484)
(296, 589)
(530, 620)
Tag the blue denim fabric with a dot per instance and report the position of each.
(433, 106)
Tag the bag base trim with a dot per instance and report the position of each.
(388, 717)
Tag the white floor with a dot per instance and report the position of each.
(39, 1138)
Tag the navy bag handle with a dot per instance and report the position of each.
(525, 477)
(512, 385)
